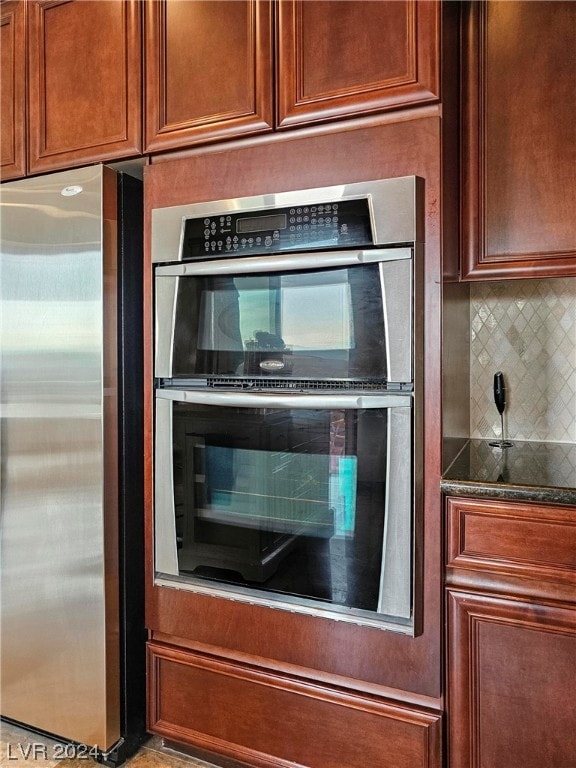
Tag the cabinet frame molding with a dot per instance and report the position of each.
(13, 22)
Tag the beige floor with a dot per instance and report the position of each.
(20, 747)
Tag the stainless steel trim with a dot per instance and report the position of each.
(166, 294)
(324, 401)
(284, 262)
(395, 206)
(286, 603)
(397, 285)
(395, 598)
(165, 550)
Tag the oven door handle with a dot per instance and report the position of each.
(324, 401)
(282, 262)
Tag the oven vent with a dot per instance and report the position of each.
(299, 384)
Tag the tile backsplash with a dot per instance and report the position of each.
(527, 330)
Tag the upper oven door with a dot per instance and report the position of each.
(344, 315)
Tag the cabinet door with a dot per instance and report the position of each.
(339, 59)
(519, 142)
(84, 81)
(12, 90)
(511, 672)
(208, 71)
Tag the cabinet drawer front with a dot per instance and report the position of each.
(516, 539)
(266, 719)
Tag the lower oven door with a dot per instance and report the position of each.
(300, 499)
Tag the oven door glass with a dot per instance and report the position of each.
(300, 500)
(328, 324)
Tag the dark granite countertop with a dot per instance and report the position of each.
(528, 471)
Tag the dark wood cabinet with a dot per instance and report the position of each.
(512, 671)
(12, 90)
(208, 71)
(279, 687)
(352, 57)
(72, 72)
(217, 70)
(84, 82)
(518, 139)
(511, 613)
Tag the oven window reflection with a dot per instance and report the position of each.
(275, 500)
(314, 324)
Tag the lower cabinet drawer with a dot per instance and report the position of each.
(266, 719)
(512, 539)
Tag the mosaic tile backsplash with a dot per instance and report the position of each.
(527, 330)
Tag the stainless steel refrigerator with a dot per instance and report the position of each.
(71, 511)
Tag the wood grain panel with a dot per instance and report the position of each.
(265, 719)
(333, 650)
(85, 81)
(12, 90)
(354, 57)
(511, 672)
(519, 142)
(208, 71)
(528, 540)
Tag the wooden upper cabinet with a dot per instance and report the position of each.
(84, 81)
(217, 70)
(351, 57)
(12, 90)
(208, 71)
(519, 139)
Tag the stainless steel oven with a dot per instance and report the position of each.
(287, 439)
(330, 317)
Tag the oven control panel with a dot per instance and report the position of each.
(318, 226)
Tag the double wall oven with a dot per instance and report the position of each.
(287, 400)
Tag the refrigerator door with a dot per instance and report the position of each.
(59, 573)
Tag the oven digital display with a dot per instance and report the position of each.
(261, 223)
